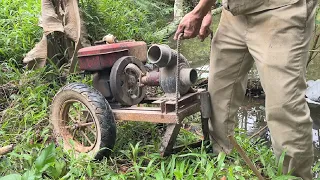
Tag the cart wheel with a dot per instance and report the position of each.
(82, 119)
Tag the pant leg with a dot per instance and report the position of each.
(229, 65)
(279, 41)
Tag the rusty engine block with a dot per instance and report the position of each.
(120, 73)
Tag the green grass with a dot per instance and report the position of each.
(25, 121)
(136, 153)
(19, 29)
(136, 156)
(126, 19)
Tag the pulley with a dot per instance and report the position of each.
(125, 81)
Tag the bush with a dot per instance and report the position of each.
(19, 30)
(126, 19)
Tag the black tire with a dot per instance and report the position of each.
(101, 116)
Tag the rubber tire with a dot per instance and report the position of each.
(101, 112)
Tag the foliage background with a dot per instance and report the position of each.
(18, 27)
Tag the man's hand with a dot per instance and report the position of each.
(205, 26)
(198, 18)
(190, 26)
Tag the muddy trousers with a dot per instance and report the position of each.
(277, 41)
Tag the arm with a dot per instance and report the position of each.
(197, 21)
(203, 7)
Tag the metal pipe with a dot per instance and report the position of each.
(151, 79)
(188, 76)
(166, 58)
(163, 55)
(159, 55)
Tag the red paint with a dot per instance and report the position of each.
(99, 57)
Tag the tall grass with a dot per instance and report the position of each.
(126, 19)
(19, 29)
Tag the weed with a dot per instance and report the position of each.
(18, 27)
(125, 19)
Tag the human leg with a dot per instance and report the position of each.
(279, 40)
(229, 65)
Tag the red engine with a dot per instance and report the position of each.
(120, 72)
(96, 58)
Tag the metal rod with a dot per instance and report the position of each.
(169, 139)
(78, 125)
(245, 157)
(72, 119)
(257, 133)
(178, 71)
(85, 124)
(84, 134)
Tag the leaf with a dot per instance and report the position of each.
(56, 171)
(221, 158)
(280, 163)
(231, 177)
(240, 177)
(11, 177)
(285, 177)
(210, 173)
(159, 175)
(230, 174)
(30, 175)
(182, 166)
(163, 168)
(172, 164)
(89, 170)
(238, 168)
(262, 160)
(270, 171)
(318, 18)
(178, 174)
(46, 157)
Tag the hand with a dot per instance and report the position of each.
(205, 27)
(190, 26)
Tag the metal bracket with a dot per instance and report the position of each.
(205, 104)
(206, 112)
(169, 139)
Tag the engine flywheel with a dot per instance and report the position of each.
(124, 81)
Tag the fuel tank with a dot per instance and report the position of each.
(99, 57)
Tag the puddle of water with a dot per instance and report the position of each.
(251, 117)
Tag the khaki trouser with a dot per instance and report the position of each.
(277, 41)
